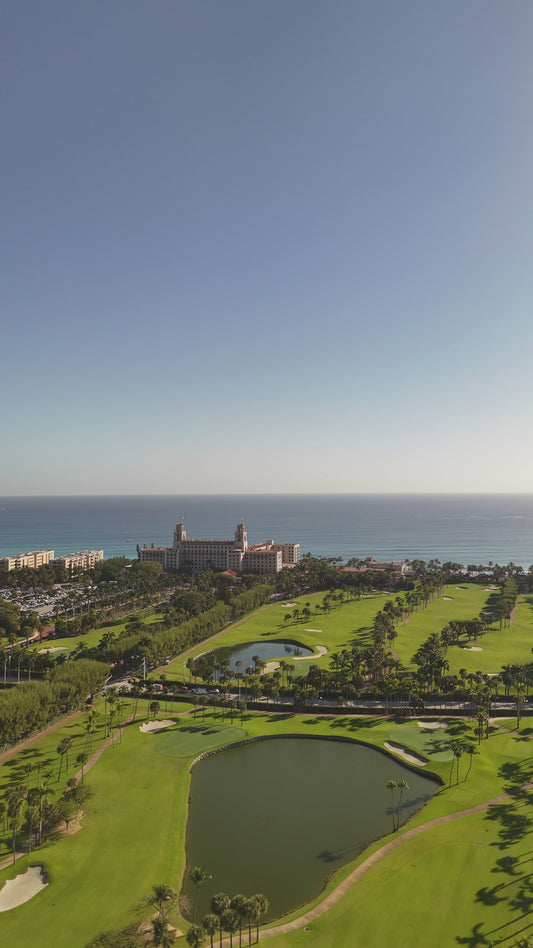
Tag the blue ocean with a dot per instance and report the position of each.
(464, 528)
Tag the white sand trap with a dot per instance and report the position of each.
(449, 598)
(312, 630)
(151, 727)
(461, 587)
(409, 756)
(274, 665)
(55, 648)
(22, 888)
(472, 648)
(320, 650)
(432, 725)
(288, 605)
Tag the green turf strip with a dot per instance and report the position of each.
(193, 739)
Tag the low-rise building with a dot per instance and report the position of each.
(32, 560)
(84, 559)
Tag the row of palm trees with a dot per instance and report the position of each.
(230, 914)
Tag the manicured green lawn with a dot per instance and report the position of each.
(132, 837)
(351, 624)
(433, 890)
(337, 630)
(456, 603)
(92, 638)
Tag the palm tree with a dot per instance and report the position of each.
(238, 903)
(163, 936)
(163, 898)
(82, 759)
(195, 936)
(457, 752)
(220, 903)
(392, 785)
(249, 915)
(90, 726)
(230, 923)
(210, 923)
(198, 876)
(472, 750)
(32, 812)
(402, 787)
(15, 801)
(61, 750)
(260, 907)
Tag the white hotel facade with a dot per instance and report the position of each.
(235, 554)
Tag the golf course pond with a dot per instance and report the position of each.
(241, 657)
(280, 815)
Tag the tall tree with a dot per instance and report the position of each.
(238, 903)
(260, 905)
(230, 923)
(392, 785)
(15, 796)
(210, 923)
(403, 786)
(198, 876)
(163, 897)
(220, 903)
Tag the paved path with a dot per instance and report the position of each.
(352, 878)
(37, 737)
(371, 861)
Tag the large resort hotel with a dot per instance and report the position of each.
(235, 554)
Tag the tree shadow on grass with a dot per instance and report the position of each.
(513, 825)
(476, 940)
(458, 728)
(507, 864)
(359, 724)
(276, 718)
(524, 734)
(199, 729)
(515, 774)
(490, 896)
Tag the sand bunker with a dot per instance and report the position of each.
(472, 648)
(151, 727)
(449, 598)
(312, 630)
(22, 888)
(409, 756)
(432, 725)
(320, 650)
(288, 605)
(55, 648)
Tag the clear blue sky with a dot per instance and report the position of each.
(266, 246)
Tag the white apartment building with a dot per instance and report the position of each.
(85, 559)
(32, 560)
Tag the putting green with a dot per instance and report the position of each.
(193, 739)
(434, 744)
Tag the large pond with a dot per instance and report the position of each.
(266, 651)
(278, 816)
